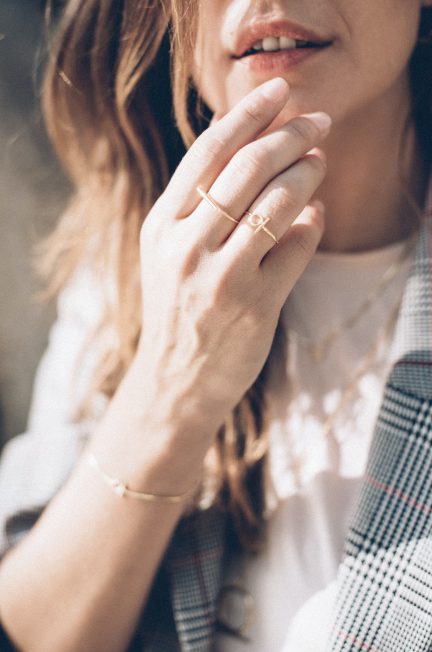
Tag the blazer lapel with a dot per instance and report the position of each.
(384, 600)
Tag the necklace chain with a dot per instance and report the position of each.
(319, 350)
(328, 425)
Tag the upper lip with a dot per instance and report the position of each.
(258, 30)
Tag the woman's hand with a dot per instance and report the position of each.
(213, 290)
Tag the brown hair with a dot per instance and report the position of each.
(107, 101)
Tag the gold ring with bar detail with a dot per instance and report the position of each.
(215, 204)
(258, 223)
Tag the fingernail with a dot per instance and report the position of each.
(322, 120)
(317, 203)
(275, 90)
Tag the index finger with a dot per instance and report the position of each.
(215, 147)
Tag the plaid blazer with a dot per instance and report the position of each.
(384, 599)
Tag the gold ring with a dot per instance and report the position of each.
(214, 204)
(258, 223)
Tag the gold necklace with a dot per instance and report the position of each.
(319, 350)
(297, 461)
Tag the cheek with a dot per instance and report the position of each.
(210, 62)
(383, 45)
(210, 76)
(376, 59)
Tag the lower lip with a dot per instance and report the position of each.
(279, 61)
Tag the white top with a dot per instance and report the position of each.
(314, 479)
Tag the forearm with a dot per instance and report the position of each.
(80, 579)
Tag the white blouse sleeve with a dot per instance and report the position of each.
(34, 465)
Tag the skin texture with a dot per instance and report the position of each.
(212, 293)
(373, 41)
(361, 81)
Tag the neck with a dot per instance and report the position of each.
(374, 174)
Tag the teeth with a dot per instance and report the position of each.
(287, 43)
(274, 43)
(270, 44)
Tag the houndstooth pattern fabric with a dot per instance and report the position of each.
(385, 597)
(385, 581)
(181, 611)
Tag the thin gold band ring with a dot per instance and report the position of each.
(257, 222)
(215, 205)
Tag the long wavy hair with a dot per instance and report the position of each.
(117, 97)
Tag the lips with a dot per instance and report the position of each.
(260, 30)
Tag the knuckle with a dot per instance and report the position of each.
(188, 251)
(251, 160)
(305, 240)
(287, 199)
(225, 282)
(189, 261)
(253, 111)
(317, 164)
(208, 145)
(304, 129)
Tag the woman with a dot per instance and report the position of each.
(232, 407)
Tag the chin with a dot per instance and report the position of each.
(301, 100)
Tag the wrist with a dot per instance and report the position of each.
(179, 407)
(146, 440)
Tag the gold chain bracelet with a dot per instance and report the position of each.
(121, 489)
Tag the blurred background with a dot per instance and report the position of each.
(32, 195)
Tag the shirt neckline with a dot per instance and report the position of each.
(379, 257)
